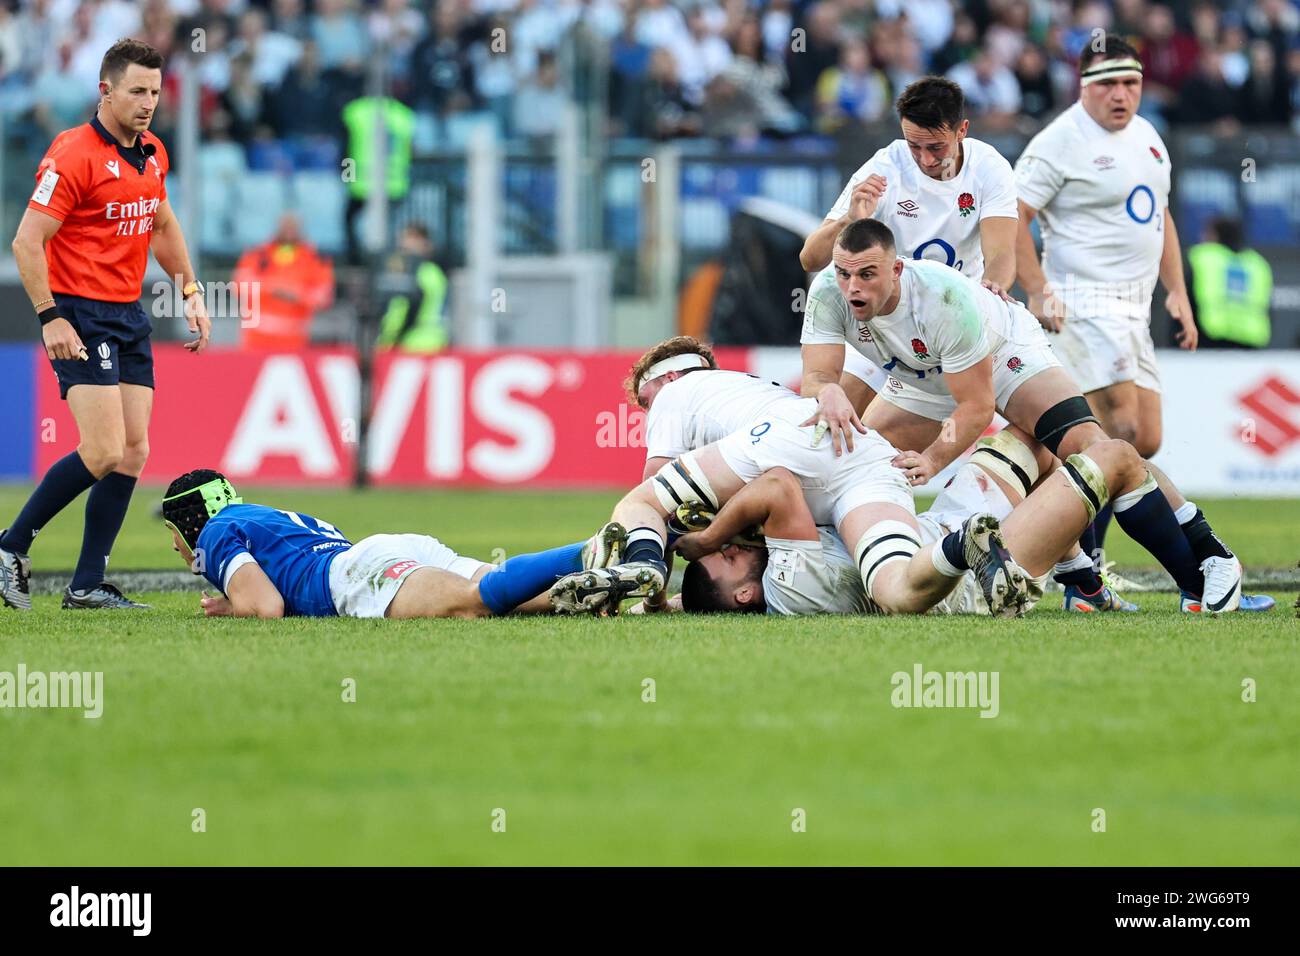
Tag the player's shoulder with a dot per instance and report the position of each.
(939, 292)
(880, 163)
(987, 165)
(933, 275)
(222, 527)
(824, 291)
(1062, 131)
(896, 156)
(1146, 136)
(232, 515)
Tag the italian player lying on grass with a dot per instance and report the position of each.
(270, 563)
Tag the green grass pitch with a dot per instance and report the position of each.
(755, 724)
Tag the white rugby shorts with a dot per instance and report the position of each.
(1103, 351)
(366, 577)
(832, 486)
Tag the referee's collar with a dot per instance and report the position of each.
(137, 155)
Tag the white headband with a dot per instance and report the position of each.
(674, 363)
(1110, 69)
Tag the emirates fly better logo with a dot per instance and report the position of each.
(1275, 406)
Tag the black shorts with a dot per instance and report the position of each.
(116, 336)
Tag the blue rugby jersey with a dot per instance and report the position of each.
(293, 550)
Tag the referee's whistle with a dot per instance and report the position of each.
(81, 354)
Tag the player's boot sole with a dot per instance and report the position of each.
(601, 590)
(1005, 584)
(605, 547)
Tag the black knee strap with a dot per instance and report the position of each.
(1060, 418)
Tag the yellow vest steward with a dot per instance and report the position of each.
(1232, 293)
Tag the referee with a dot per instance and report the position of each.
(100, 205)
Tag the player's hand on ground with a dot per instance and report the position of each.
(659, 604)
(1180, 310)
(196, 313)
(62, 340)
(866, 196)
(997, 290)
(218, 606)
(916, 466)
(835, 414)
(1048, 309)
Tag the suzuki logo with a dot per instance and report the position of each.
(1274, 405)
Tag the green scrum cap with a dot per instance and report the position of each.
(216, 493)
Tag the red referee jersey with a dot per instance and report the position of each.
(107, 206)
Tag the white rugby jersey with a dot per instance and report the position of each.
(813, 577)
(706, 406)
(933, 218)
(944, 322)
(1101, 198)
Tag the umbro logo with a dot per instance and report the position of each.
(908, 208)
(111, 166)
(1104, 162)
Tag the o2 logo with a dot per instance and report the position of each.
(758, 431)
(950, 254)
(895, 364)
(1141, 210)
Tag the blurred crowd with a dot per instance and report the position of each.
(674, 68)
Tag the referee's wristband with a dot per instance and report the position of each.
(49, 315)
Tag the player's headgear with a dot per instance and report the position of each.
(195, 497)
(1113, 58)
(674, 363)
(680, 353)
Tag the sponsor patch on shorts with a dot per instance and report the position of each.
(400, 568)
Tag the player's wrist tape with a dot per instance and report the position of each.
(49, 315)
